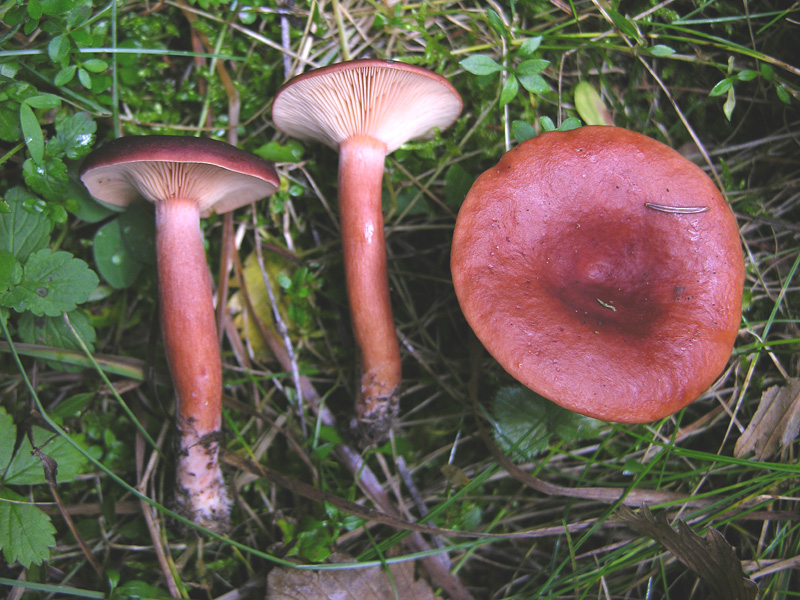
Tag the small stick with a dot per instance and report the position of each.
(50, 467)
(677, 210)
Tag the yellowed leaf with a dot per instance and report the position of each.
(590, 105)
(371, 583)
(775, 424)
(455, 475)
(259, 298)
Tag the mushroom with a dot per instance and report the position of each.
(186, 178)
(366, 109)
(603, 270)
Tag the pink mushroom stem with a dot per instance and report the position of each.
(192, 348)
(361, 161)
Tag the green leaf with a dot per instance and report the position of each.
(56, 213)
(10, 271)
(522, 131)
(284, 281)
(65, 75)
(722, 87)
(30, 26)
(535, 84)
(47, 178)
(480, 64)
(129, 59)
(115, 264)
(547, 124)
(23, 232)
(26, 533)
(78, 14)
(75, 135)
(661, 50)
(58, 49)
(136, 590)
(525, 422)
(248, 17)
(290, 152)
(85, 78)
(767, 72)
(572, 427)
(520, 422)
(73, 407)
(54, 331)
(783, 95)
(569, 124)
(31, 132)
(95, 65)
(746, 75)
(14, 16)
(496, 21)
(624, 24)
(510, 89)
(82, 205)
(534, 66)
(54, 8)
(139, 233)
(330, 434)
(9, 125)
(52, 283)
(44, 101)
(81, 37)
(34, 9)
(8, 437)
(26, 468)
(314, 545)
(528, 75)
(457, 182)
(530, 46)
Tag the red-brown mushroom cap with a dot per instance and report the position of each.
(389, 101)
(216, 175)
(585, 267)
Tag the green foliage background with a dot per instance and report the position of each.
(718, 80)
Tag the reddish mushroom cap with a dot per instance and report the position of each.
(389, 101)
(585, 267)
(218, 176)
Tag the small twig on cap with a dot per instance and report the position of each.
(678, 210)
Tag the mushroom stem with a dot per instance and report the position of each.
(360, 179)
(192, 349)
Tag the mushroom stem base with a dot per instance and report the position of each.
(375, 416)
(200, 493)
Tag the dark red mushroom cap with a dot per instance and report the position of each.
(386, 100)
(218, 176)
(603, 270)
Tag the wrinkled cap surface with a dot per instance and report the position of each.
(389, 101)
(218, 176)
(582, 292)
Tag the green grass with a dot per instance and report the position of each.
(708, 78)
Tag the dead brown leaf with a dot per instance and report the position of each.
(775, 424)
(711, 558)
(371, 583)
